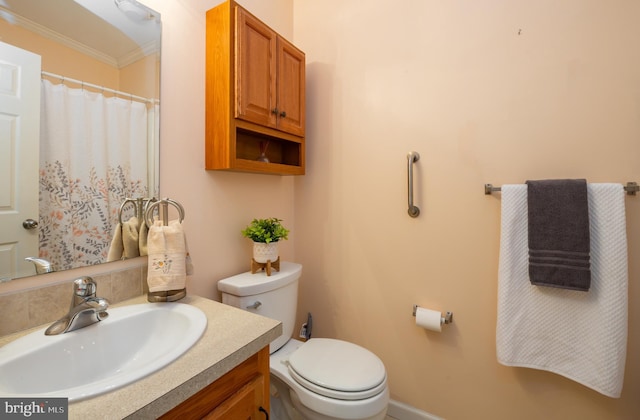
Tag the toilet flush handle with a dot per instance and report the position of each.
(255, 305)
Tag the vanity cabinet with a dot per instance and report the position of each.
(255, 96)
(242, 393)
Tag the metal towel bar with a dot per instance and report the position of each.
(631, 188)
(412, 157)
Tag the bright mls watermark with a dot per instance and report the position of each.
(34, 408)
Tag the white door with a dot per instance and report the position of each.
(19, 158)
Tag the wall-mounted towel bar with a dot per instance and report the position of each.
(631, 188)
(412, 157)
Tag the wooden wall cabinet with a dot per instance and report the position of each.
(255, 95)
(242, 393)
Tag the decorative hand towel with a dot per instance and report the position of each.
(116, 248)
(130, 238)
(582, 336)
(167, 257)
(558, 212)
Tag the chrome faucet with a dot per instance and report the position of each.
(42, 266)
(86, 308)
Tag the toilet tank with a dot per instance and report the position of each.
(274, 296)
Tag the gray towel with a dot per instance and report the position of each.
(559, 233)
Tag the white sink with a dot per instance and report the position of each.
(131, 343)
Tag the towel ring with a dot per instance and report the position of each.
(122, 206)
(140, 206)
(148, 216)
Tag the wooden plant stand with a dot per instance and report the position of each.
(255, 266)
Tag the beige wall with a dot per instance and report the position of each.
(136, 78)
(487, 92)
(480, 103)
(217, 204)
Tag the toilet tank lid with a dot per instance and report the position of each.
(247, 284)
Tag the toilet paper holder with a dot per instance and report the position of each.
(447, 318)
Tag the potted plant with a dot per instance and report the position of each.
(265, 234)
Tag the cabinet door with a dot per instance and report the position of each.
(291, 88)
(255, 70)
(243, 405)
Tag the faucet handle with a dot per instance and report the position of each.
(84, 287)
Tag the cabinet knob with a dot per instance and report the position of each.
(274, 111)
(283, 114)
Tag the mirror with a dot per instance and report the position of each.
(79, 131)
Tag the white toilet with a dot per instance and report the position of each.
(320, 379)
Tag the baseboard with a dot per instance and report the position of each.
(402, 411)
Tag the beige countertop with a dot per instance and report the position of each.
(231, 336)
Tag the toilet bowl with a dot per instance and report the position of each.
(343, 388)
(320, 379)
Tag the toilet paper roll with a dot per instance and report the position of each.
(429, 319)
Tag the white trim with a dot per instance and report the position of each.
(139, 53)
(117, 62)
(61, 39)
(402, 411)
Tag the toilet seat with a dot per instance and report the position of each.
(373, 407)
(337, 369)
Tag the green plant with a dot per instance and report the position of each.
(266, 230)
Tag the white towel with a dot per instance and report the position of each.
(167, 251)
(576, 334)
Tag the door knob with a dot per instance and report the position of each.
(283, 114)
(29, 224)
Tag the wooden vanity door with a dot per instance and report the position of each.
(242, 393)
(244, 404)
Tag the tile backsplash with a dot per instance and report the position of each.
(32, 308)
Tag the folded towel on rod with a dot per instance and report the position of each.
(581, 336)
(130, 238)
(142, 239)
(559, 244)
(125, 241)
(167, 250)
(116, 248)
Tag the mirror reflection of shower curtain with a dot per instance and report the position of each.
(88, 166)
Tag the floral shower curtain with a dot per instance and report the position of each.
(93, 155)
